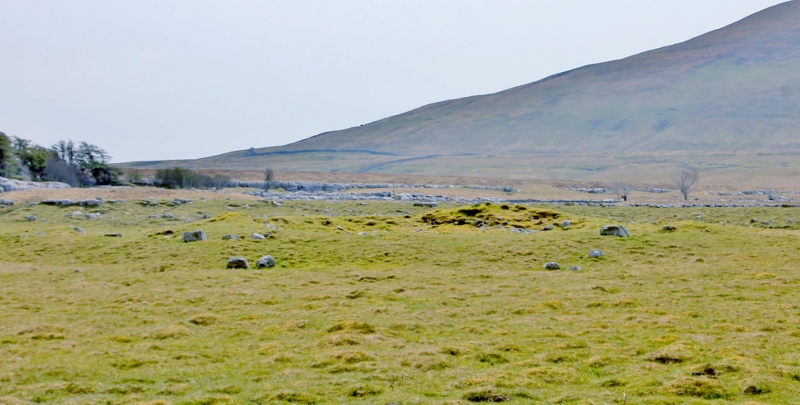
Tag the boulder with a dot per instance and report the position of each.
(78, 230)
(31, 218)
(548, 227)
(258, 236)
(238, 263)
(230, 237)
(194, 236)
(574, 268)
(3, 201)
(614, 230)
(92, 216)
(113, 235)
(565, 224)
(594, 253)
(552, 266)
(668, 228)
(265, 262)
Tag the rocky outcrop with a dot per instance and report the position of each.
(8, 185)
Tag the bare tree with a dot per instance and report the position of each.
(685, 180)
(269, 176)
(622, 190)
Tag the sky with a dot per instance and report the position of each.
(184, 79)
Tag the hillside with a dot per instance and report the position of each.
(736, 89)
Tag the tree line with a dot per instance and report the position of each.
(77, 164)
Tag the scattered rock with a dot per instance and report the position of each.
(238, 263)
(594, 253)
(179, 201)
(90, 203)
(565, 224)
(669, 228)
(574, 268)
(59, 203)
(614, 230)
(754, 220)
(78, 230)
(426, 204)
(205, 216)
(773, 196)
(340, 228)
(194, 236)
(362, 234)
(548, 227)
(258, 236)
(31, 218)
(230, 237)
(3, 201)
(113, 235)
(552, 266)
(266, 261)
(92, 216)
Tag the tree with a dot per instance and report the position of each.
(88, 156)
(65, 151)
(61, 171)
(31, 157)
(622, 190)
(685, 180)
(269, 176)
(8, 161)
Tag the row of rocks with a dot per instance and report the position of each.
(593, 254)
(590, 190)
(68, 203)
(313, 187)
(710, 205)
(416, 198)
(8, 185)
(265, 261)
(602, 190)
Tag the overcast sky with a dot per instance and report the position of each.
(156, 79)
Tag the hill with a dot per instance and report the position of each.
(734, 90)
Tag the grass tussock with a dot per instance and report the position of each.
(701, 387)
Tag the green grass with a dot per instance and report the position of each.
(447, 314)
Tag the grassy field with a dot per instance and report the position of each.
(402, 305)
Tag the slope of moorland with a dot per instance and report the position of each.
(399, 305)
(733, 90)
